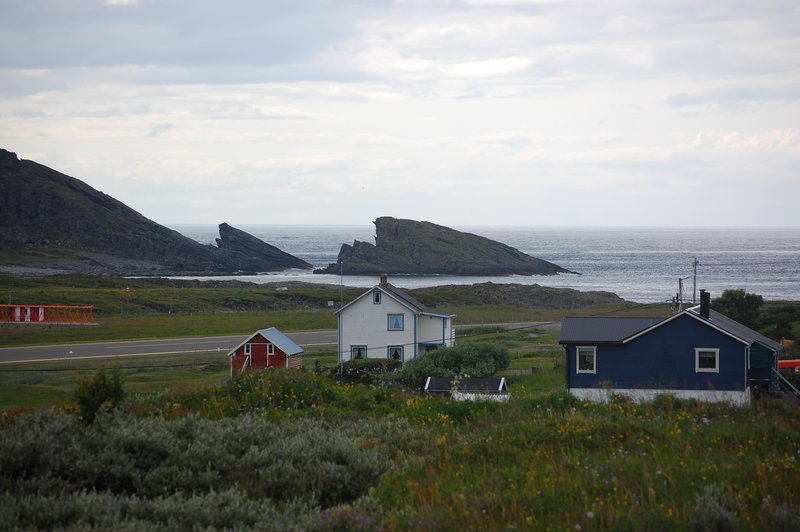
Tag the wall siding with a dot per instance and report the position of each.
(664, 358)
(365, 323)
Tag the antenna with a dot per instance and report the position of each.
(695, 264)
(341, 283)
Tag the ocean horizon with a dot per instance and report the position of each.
(640, 264)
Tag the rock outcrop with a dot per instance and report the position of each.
(51, 222)
(254, 251)
(412, 247)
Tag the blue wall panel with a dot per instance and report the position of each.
(664, 358)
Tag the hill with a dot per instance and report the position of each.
(54, 223)
(412, 247)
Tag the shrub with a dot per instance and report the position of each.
(474, 359)
(780, 518)
(47, 454)
(92, 393)
(227, 510)
(715, 511)
(365, 371)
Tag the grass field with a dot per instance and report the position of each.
(191, 449)
(543, 461)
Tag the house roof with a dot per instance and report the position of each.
(473, 384)
(734, 328)
(275, 337)
(399, 295)
(603, 329)
(618, 329)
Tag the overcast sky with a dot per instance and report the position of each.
(459, 112)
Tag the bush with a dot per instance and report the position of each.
(365, 370)
(47, 454)
(93, 393)
(715, 511)
(227, 510)
(474, 359)
(780, 518)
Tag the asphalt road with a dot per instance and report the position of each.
(179, 346)
(144, 348)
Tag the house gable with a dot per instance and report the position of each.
(265, 348)
(665, 358)
(385, 322)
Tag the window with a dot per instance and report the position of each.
(376, 297)
(395, 322)
(358, 352)
(246, 349)
(270, 349)
(395, 352)
(586, 359)
(706, 360)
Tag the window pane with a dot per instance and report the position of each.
(395, 322)
(707, 360)
(585, 359)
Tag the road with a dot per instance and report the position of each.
(181, 346)
(144, 348)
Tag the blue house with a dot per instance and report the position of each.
(698, 353)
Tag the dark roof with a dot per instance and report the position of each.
(619, 329)
(472, 384)
(603, 329)
(402, 296)
(734, 328)
(399, 295)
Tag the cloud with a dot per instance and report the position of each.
(781, 140)
(477, 110)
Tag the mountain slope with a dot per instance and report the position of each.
(53, 222)
(409, 246)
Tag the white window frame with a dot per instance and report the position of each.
(376, 297)
(270, 348)
(353, 351)
(578, 350)
(389, 322)
(389, 351)
(248, 348)
(697, 352)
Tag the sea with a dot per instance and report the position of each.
(639, 264)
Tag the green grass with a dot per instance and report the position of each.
(543, 461)
(147, 326)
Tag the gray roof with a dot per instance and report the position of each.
(407, 299)
(399, 295)
(734, 328)
(603, 329)
(618, 329)
(275, 337)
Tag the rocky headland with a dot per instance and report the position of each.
(54, 223)
(422, 248)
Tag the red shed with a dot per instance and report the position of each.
(267, 348)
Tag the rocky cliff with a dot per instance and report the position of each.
(255, 252)
(51, 222)
(412, 247)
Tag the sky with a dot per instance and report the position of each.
(458, 112)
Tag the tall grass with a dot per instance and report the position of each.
(542, 461)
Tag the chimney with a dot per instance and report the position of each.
(384, 279)
(705, 303)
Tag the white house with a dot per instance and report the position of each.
(384, 322)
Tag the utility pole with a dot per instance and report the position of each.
(695, 263)
(680, 295)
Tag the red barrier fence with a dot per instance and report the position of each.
(46, 314)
